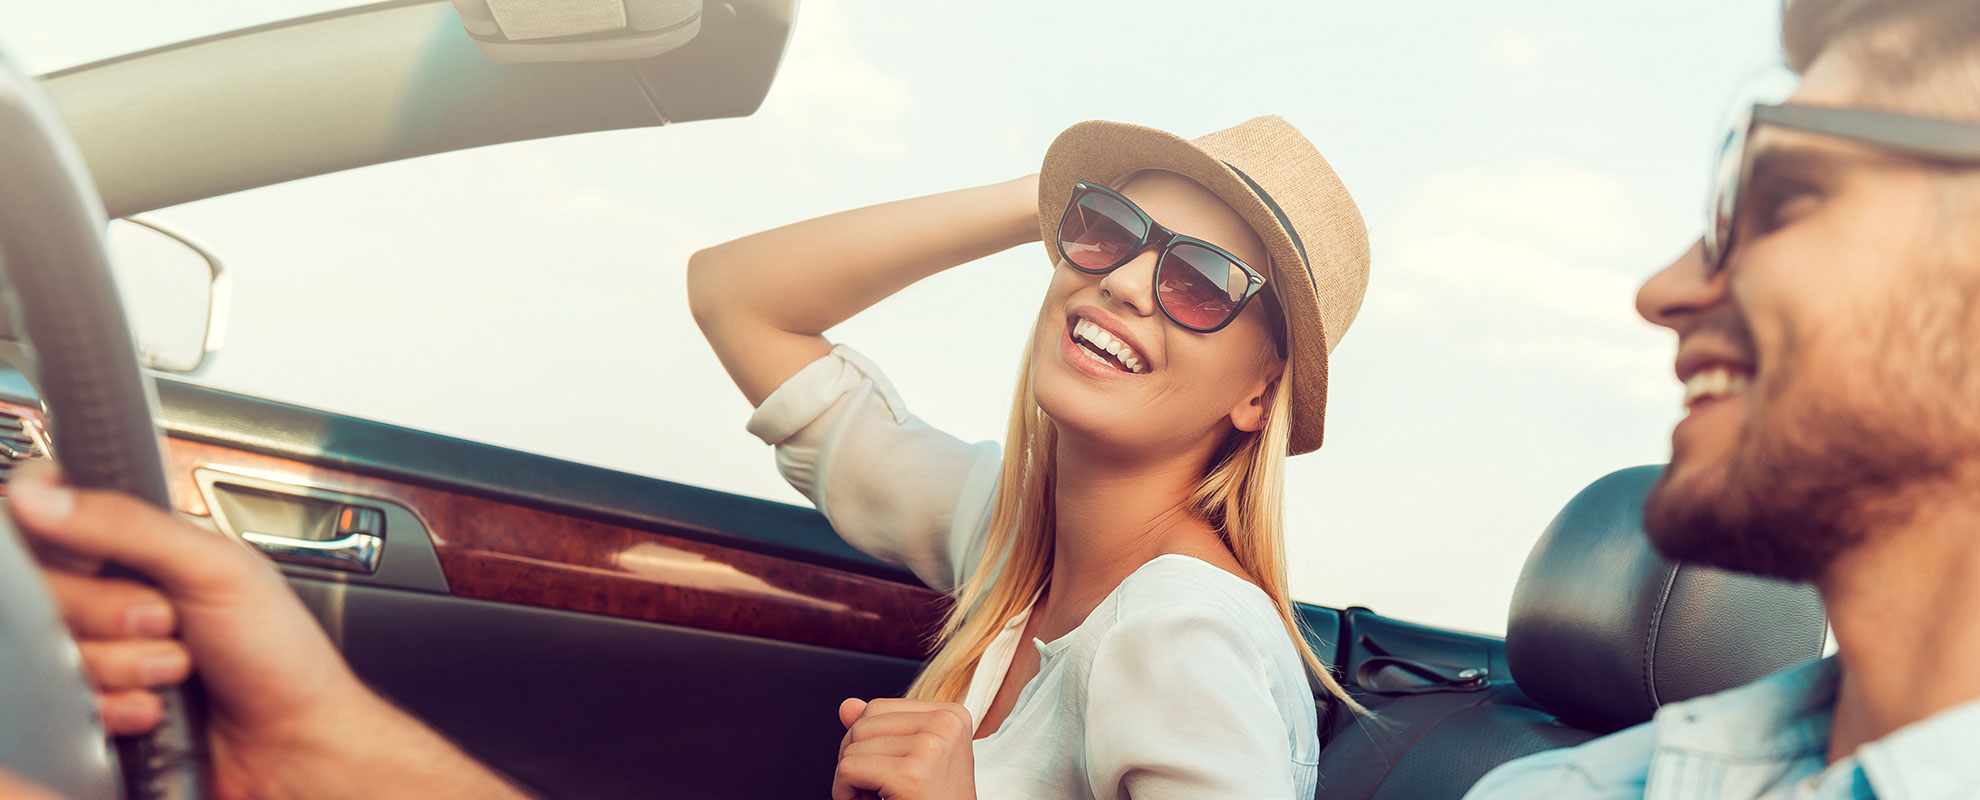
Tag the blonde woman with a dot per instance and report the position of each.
(1122, 625)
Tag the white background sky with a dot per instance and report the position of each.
(1522, 165)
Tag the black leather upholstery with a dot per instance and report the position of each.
(1603, 630)
(1435, 745)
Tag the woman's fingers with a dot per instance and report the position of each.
(135, 663)
(948, 719)
(887, 747)
(899, 723)
(904, 748)
(130, 712)
(886, 705)
(859, 777)
(107, 608)
(850, 710)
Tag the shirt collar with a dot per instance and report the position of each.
(1786, 716)
(1782, 716)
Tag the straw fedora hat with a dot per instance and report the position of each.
(1278, 182)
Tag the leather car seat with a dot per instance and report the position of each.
(1602, 632)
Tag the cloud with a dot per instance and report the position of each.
(831, 93)
(1517, 50)
(1534, 45)
(1532, 262)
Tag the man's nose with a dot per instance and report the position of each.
(1679, 291)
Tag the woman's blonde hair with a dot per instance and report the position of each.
(1241, 496)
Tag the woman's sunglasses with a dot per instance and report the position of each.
(1199, 285)
(1944, 141)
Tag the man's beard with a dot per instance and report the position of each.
(1825, 464)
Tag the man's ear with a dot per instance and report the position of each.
(1251, 412)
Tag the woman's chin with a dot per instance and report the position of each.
(1116, 415)
(1052, 392)
(1090, 418)
(1076, 409)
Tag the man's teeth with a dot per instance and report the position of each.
(1099, 338)
(1715, 382)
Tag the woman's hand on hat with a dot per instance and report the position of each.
(905, 750)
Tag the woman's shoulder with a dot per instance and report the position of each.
(1175, 582)
(1178, 591)
(1184, 630)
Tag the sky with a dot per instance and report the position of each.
(1522, 166)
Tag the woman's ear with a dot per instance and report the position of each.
(1250, 413)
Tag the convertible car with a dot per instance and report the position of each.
(594, 633)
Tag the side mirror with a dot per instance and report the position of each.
(175, 292)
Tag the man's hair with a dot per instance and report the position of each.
(1927, 51)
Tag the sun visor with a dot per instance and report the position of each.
(510, 31)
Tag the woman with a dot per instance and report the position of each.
(1121, 625)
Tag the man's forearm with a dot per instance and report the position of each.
(377, 751)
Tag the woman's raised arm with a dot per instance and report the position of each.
(765, 300)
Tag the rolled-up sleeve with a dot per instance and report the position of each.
(1179, 706)
(893, 486)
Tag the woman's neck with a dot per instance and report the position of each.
(1112, 515)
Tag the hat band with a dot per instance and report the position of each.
(1285, 223)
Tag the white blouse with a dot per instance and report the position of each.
(1182, 683)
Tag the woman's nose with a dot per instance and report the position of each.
(1132, 285)
(1678, 292)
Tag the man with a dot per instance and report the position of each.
(1834, 437)
(1829, 342)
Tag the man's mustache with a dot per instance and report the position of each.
(1725, 325)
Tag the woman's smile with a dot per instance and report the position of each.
(1101, 350)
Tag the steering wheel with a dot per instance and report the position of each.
(52, 255)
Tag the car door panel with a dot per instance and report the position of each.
(416, 458)
(508, 552)
(589, 706)
(618, 643)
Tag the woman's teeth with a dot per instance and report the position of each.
(1097, 338)
(1714, 383)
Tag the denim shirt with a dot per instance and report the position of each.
(1768, 739)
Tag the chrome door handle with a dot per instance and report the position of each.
(356, 552)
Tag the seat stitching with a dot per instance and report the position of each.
(1650, 639)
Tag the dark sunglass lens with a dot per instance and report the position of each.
(1199, 287)
(1099, 231)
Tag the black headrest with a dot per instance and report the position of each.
(1604, 630)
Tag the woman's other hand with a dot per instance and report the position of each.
(905, 750)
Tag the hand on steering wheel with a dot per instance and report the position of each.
(286, 716)
(273, 676)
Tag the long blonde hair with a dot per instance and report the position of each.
(1241, 496)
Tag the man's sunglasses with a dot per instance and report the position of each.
(1199, 285)
(1945, 141)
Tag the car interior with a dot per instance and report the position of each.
(1602, 632)
(594, 633)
